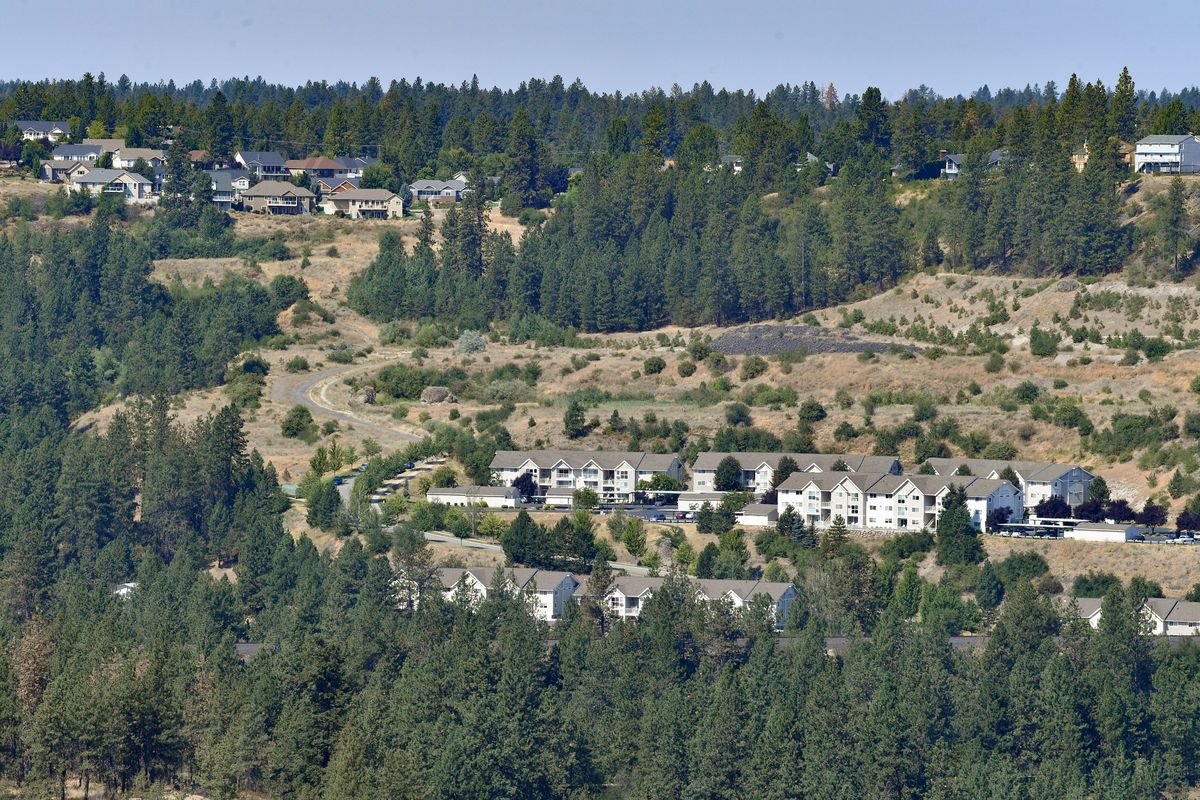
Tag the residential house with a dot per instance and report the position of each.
(888, 501)
(758, 469)
(228, 186)
(124, 590)
(106, 145)
(355, 166)
(77, 152)
(339, 183)
(1037, 480)
(489, 496)
(314, 167)
(51, 130)
(364, 204)
(437, 191)
(132, 187)
(1164, 616)
(62, 171)
(732, 162)
(1102, 532)
(1176, 155)
(278, 197)
(548, 590)
(613, 475)
(265, 166)
(954, 162)
(126, 157)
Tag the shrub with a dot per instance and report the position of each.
(297, 423)
(654, 365)
(752, 367)
(686, 369)
(1042, 343)
(811, 411)
(738, 414)
(470, 342)
(297, 364)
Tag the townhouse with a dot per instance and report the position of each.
(489, 496)
(278, 197)
(1037, 480)
(891, 502)
(613, 475)
(758, 469)
(548, 591)
(364, 204)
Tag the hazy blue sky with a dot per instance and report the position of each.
(953, 47)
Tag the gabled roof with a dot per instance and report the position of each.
(547, 580)
(74, 152)
(1087, 607)
(43, 125)
(823, 462)
(316, 162)
(1165, 139)
(99, 175)
(337, 181)
(472, 491)
(424, 185)
(107, 145)
(144, 153)
(576, 459)
(1026, 470)
(1160, 606)
(223, 178)
(365, 194)
(356, 162)
(632, 586)
(1184, 611)
(266, 158)
(276, 189)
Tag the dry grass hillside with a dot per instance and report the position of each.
(866, 392)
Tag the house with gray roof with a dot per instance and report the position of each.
(133, 188)
(355, 203)
(106, 145)
(613, 475)
(339, 183)
(954, 162)
(62, 171)
(264, 165)
(355, 166)
(437, 191)
(547, 591)
(52, 130)
(1169, 154)
(227, 187)
(278, 197)
(77, 152)
(1164, 616)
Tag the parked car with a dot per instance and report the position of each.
(680, 515)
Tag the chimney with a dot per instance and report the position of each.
(941, 155)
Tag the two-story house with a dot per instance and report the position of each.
(548, 591)
(364, 204)
(264, 165)
(278, 197)
(133, 188)
(437, 191)
(1175, 155)
(77, 152)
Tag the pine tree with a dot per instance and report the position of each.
(1123, 116)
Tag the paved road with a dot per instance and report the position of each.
(310, 390)
(475, 544)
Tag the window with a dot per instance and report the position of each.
(622, 474)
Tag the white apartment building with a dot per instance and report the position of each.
(548, 591)
(891, 502)
(758, 469)
(1168, 154)
(1038, 480)
(628, 596)
(613, 475)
